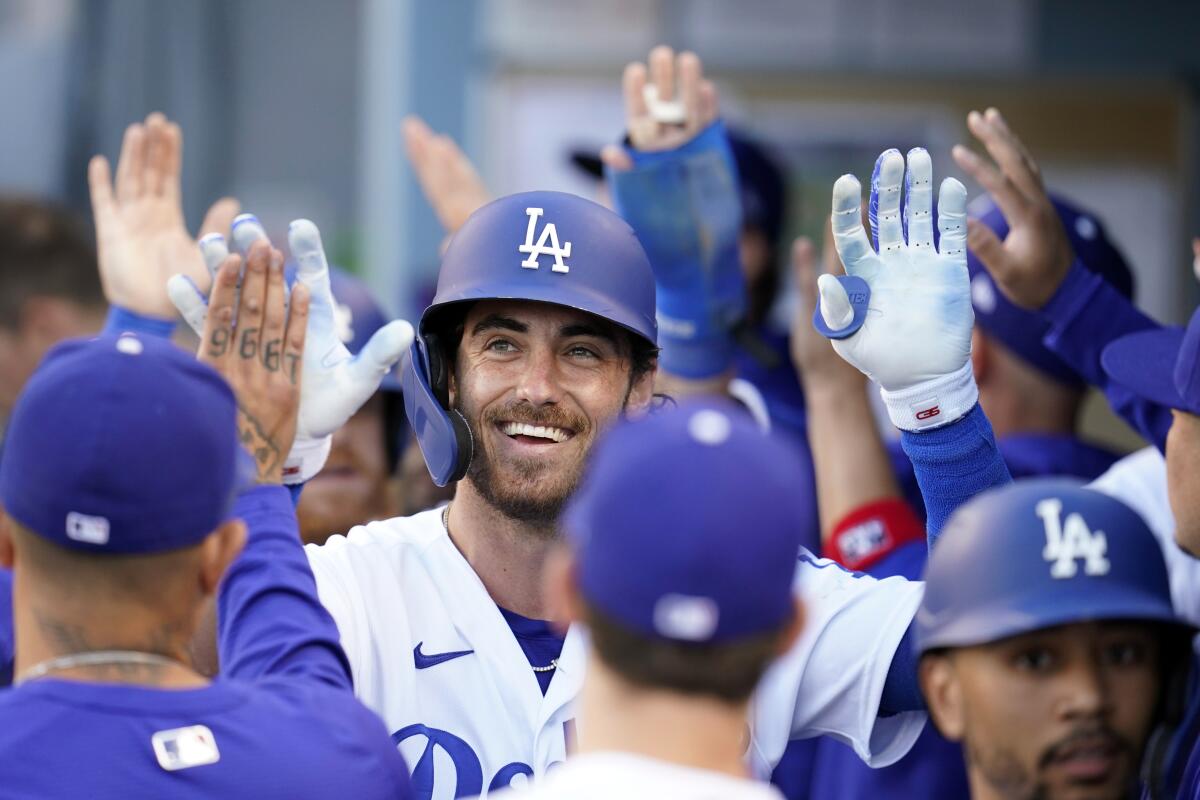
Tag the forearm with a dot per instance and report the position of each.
(684, 205)
(1086, 314)
(270, 620)
(954, 463)
(851, 465)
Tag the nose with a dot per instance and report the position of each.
(1085, 690)
(539, 384)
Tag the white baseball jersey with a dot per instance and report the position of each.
(604, 776)
(432, 655)
(1140, 481)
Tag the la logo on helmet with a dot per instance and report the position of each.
(1067, 542)
(547, 244)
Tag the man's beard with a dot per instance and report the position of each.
(1004, 772)
(536, 496)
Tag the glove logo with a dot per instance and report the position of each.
(547, 244)
(1070, 541)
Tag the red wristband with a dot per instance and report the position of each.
(871, 532)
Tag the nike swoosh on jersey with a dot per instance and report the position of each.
(426, 661)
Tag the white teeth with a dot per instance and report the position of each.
(537, 431)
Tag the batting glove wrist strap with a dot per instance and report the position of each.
(685, 208)
(306, 459)
(934, 402)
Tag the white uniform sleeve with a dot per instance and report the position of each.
(343, 599)
(1140, 481)
(831, 681)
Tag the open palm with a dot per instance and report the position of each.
(140, 232)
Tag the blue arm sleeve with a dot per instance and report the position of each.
(900, 689)
(953, 464)
(685, 207)
(270, 620)
(122, 320)
(1086, 314)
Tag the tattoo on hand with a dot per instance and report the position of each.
(249, 346)
(293, 360)
(218, 342)
(270, 355)
(260, 443)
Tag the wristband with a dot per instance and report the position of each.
(306, 459)
(932, 403)
(872, 532)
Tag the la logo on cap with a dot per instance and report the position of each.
(1072, 540)
(547, 244)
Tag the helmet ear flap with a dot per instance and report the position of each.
(439, 375)
(466, 444)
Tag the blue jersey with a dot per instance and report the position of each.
(280, 722)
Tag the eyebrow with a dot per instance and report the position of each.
(585, 329)
(494, 322)
(498, 322)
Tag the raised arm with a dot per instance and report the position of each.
(270, 620)
(864, 517)
(141, 237)
(902, 315)
(675, 183)
(1035, 268)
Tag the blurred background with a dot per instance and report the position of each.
(294, 106)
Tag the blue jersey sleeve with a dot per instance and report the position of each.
(953, 464)
(270, 620)
(122, 320)
(1086, 314)
(6, 628)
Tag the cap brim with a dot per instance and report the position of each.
(1144, 363)
(1042, 610)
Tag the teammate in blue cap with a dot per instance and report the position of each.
(1048, 643)
(127, 503)
(684, 607)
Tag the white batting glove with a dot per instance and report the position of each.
(335, 384)
(915, 340)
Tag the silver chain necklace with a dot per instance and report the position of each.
(94, 658)
(553, 665)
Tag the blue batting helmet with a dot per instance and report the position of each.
(1037, 554)
(549, 247)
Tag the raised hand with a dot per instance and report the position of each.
(336, 383)
(668, 102)
(140, 234)
(1032, 261)
(448, 179)
(915, 336)
(257, 342)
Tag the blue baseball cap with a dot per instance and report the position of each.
(123, 444)
(1037, 554)
(1022, 331)
(687, 525)
(1161, 364)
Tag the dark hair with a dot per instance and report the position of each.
(44, 252)
(727, 671)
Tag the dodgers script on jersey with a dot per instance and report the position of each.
(433, 656)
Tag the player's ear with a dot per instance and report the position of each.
(791, 633)
(6, 544)
(943, 694)
(217, 552)
(560, 587)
